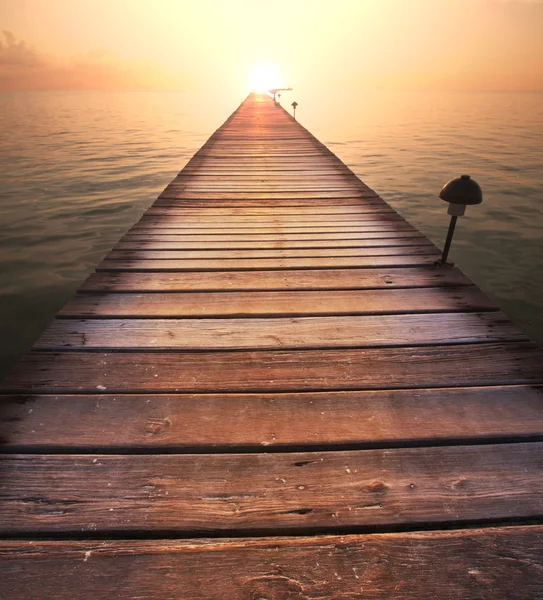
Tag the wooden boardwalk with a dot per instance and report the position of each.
(268, 390)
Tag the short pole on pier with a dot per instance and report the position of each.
(458, 193)
(294, 105)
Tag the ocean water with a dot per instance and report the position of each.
(79, 168)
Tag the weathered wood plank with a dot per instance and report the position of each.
(219, 423)
(428, 257)
(271, 235)
(241, 244)
(363, 210)
(243, 304)
(180, 215)
(293, 226)
(278, 370)
(286, 333)
(341, 212)
(308, 195)
(331, 187)
(270, 491)
(275, 253)
(314, 203)
(481, 564)
(326, 279)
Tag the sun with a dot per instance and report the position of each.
(263, 77)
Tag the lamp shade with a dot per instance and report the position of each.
(463, 190)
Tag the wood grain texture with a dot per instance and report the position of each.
(180, 216)
(286, 280)
(243, 304)
(264, 422)
(378, 233)
(219, 211)
(284, 333)
(209, 244)
(279, 370)
(423, 248)
(277, 203)
(481, 564)
(278, 492)
(275, 227)
(308, 195)
(430, 257)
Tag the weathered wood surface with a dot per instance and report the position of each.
(209, 245)
(270, 491)
(354, 237)
(274, 280)
(299, 303)
(286, 333)
(266, 254)
(405, 259)
(468, 564)
(277, 370)
(243, 422)
(273, 349)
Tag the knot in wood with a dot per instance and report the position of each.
(378, 486)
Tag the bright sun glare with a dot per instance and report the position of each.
(264, 77)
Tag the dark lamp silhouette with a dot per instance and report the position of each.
(459, 193)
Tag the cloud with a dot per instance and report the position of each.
(14, 54)
(23, 68)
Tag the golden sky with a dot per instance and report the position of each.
(214, 44)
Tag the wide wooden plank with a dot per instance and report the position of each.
(428, 257)
(140, 254)
(257, 422)
(311, 213)
(243, 304)
(270, 491)
(341, 212)
(480, 563)
(279, 370)
(326, 279)
(278, 238)
(240, 244)
(370, 215)
(321, 206)
(278, 231)
(294, 226)
(177, 217)
(332, 186)
(287, 195)
(315, 203)
(264, 179)
(286, 333)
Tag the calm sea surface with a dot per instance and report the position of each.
(78, 169)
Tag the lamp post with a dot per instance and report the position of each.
(459, 193)
(294, 105)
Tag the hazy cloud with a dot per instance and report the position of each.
(23, 68)
(17, 54)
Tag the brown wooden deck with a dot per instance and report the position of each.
(269, 391)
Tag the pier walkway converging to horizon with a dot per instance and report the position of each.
(268, 390)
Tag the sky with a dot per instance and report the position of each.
(214, 45)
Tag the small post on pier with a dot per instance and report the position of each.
(294, 105)
(458, 193)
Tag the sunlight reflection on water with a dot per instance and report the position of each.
(78, 169)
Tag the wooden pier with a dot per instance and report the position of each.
(268, 390)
